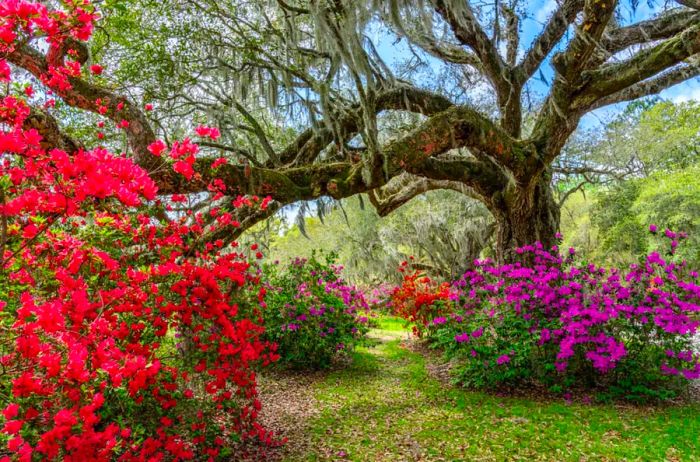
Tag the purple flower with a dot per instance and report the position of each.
(652, 228)
(503, 359)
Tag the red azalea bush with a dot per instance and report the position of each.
(121, 337)
(419, 299)
(564, 323)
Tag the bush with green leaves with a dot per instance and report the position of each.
(311, 313)
(566, 324)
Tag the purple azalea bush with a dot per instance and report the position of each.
(567, 324)
(311, 313)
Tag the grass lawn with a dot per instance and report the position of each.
(386, 407)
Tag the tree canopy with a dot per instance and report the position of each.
(309, 106)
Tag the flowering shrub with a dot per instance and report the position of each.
(379, 297)
(565, 323)
(312, 313)
(420, 301)
(120, 336)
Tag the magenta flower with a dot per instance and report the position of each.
(503, 359)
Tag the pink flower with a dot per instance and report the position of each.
(503, 359)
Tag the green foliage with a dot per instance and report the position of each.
(663, 136)
(651, 151)
(389, 404)
(311, 313)
(669, 200)
(443, 230)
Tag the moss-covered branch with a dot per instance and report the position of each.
(616, 77)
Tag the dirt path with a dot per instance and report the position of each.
(292, 405)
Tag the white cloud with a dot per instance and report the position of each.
(546, 10)
(684, 93)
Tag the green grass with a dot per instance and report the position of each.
(385, 407)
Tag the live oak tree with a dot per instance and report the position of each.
(309, 108)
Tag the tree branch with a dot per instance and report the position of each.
(310, 143)
(651, 86)
(616, 77)
(84, 95)
(570, 63)
(512, 35)
(52, 135)
(662, 27)
(469, 32)
(552, 33)
(402, 189)
(446, 51)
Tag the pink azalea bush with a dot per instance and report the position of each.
(311, 313)
(561, 322)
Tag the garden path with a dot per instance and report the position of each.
(386, 405)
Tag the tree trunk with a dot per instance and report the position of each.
(526, 215)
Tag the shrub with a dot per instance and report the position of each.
(94, 291)
(420, 301)
(312, 313)
(564, 323)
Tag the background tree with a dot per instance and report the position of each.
(641, 168)
(442, 231)
(307, 102)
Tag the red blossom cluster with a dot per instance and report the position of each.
(419, 299)
(121, 338)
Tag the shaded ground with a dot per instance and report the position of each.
(387, 406)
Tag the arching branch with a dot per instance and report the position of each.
(85, 95)
(652, 86)
(403, 189)
(647, 63)
(310, 143)
(468, 31)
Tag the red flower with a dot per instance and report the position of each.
(210, 132)
(184, 168)
(157, 147)
(4, 71)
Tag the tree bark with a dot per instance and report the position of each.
(525, 215)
